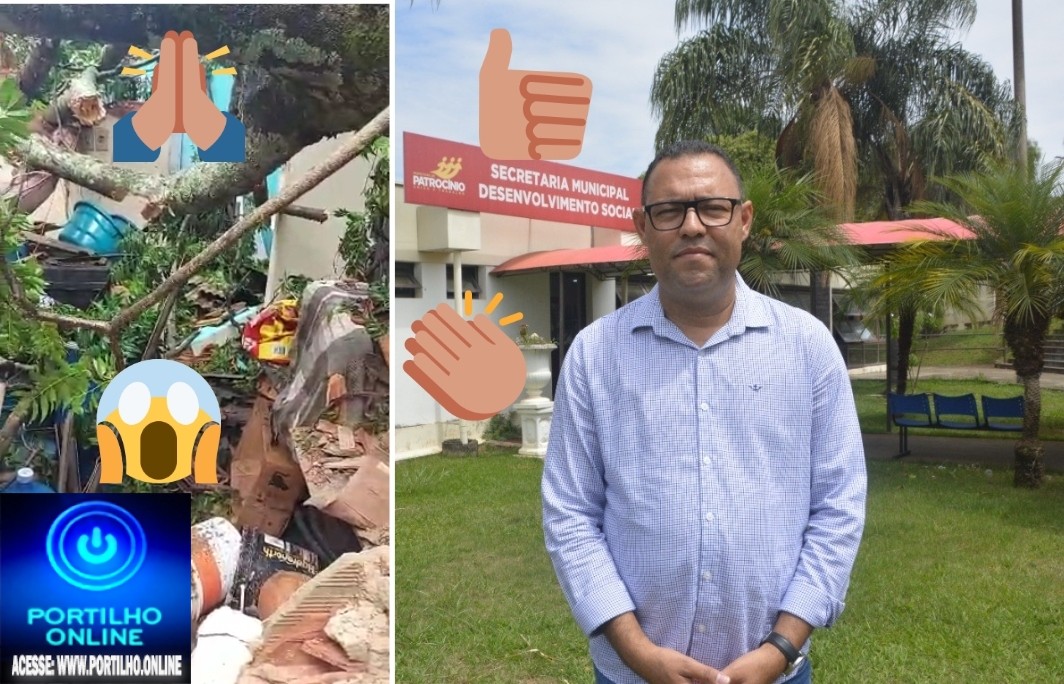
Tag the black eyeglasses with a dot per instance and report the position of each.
(713, 212)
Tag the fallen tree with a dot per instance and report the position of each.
(304, 73)
(112, 330)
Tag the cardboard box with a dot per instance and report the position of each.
(267, 482)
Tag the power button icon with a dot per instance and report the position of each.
(107, 552)
(96, 545)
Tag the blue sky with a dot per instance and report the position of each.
(439, 51)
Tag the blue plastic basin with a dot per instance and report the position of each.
(94, 229)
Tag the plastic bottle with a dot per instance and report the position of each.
(26, 483)
(215, 553)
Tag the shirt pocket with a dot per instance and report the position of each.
(771, 407)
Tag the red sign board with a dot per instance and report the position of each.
(442, 173)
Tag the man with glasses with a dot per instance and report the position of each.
(704, 486)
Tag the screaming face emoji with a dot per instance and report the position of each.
(161, 420)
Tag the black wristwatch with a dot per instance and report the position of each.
(793, 655)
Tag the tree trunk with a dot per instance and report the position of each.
(1019, 79)
(1026, 340)
(906, 330)
(1029, 467)
(34, 73)
(81, 104)
(820, 296)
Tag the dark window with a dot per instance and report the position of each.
(470, 281)
(407, 285)
(638, 285)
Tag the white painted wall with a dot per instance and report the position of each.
(308, 248)
(421, 424)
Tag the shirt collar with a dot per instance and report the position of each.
(751, 311)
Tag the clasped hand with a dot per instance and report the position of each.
(666, 666)
(179, 102)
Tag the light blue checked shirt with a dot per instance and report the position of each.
(705, 489)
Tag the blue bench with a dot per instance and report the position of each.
(952, 413)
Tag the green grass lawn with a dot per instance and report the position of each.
(476, 598)
(960, 578)
(982, 347)
(872, 405)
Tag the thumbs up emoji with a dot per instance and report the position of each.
(529, 114)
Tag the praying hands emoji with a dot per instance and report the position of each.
(179, 103)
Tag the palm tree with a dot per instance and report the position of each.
(1017, 250)
(791, 231)
(929, 108)
(875, 85)
(772, 65)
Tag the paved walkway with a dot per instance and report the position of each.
(989, 452)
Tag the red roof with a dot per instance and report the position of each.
(871, 234)
(878, 233)
(556, 258)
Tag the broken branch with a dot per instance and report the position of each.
(81, 103)
(308, 213)
(340, 158)
(14, 421)
(99, 176)
(160, 324)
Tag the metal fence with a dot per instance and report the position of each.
(925, 348)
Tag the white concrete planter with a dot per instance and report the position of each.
(535, 410)
(537, 369)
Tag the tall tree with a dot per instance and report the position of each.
(777, 66)
(874, 90)
(1018, 252)
(876, 84)
(1019, 79)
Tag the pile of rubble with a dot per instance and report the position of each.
(294, 586)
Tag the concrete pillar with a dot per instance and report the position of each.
(603, 297)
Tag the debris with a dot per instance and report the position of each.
(364, 501)
(344, 464)
(215, 555)
(261, 557)
(330, 341)
(267, 482)
(269, 335)
(361, 634)
(217, 335)
(327, 427)
(276, 590)
(347, 603)
(224, 644)
(336, 390)
(331, 653)
(346, 437)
